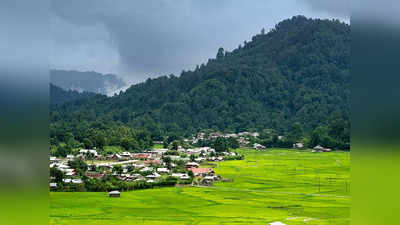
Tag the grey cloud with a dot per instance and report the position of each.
(157, 37)
(339, 8)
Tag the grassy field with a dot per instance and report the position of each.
(158, 146)
(294, 187)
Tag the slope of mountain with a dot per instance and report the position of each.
(86, 81)
(59, 96)
(297, 72)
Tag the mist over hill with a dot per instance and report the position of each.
(86, 81)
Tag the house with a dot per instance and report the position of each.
(160, 151)
(69, 172)
(76, 181)
(67, 181)
(163, 170)
(146, 169)
(126, 154)
(191, 165)
(211, 178)
(94, 175)
(141, 156)
(199, 159)
(153, 176)
(151, 162)
(207, 180)
(277, 223)
(258, 146)
(115, 157)
(53, 185)
(114, 194)
(150, 181)
(70, 157)
(201, 171)
(53, 159)
(255, 134)
(319, 148)
(182, 176)
(298, 145)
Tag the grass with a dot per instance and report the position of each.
(294, 187)
(158, 146)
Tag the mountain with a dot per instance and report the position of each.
(59, 96)
(86, 81)
(297, 72)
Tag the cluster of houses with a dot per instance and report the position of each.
(147, 167)
(242, 137)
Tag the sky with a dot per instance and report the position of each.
(141, 39)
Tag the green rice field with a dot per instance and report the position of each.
(290, 186)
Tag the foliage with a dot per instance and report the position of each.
(79, 166)
(298, 73)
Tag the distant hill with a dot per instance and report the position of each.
(297, 72)
(86, 81)
(59, 96)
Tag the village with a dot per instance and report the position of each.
(88, 170)
(183, 166)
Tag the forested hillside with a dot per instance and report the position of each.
(296, 72)
(59, 96)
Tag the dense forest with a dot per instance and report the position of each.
(59, 96)
(297, 73)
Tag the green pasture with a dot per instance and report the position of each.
(294, 187)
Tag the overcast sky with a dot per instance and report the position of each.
(148, 38)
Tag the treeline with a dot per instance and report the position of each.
(296, 73)
(335, 135)
(110, 183)
(65, 138)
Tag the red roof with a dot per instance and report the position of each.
(141, 156)
(148, 162)
(94, 175)
(200, 170)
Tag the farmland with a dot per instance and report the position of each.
(294, 187)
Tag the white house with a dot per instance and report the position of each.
(146, 169)
(163, 170)
(182, 176)
(258, 146)
(126, 154)
(87, 151)
(277, 223)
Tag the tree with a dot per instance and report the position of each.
(165, 144)
(175, 145)
(296, 132)
(233, 143)
(192, 157)
(220, 145)
(87, 143)
(79, 166)
(129, 143)
(57, 174)
(221, 53)
(63, 151)
(167, 161)
(117, 169)
(191, 174)
(317, 136)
